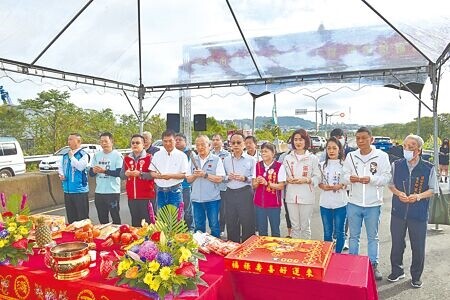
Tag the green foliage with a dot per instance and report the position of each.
(167, 220)
(398, 132)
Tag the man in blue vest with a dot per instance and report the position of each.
(412, 185)
(73, 175)
(181, 144)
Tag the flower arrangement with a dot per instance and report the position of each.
(164, 260)
(15, 226)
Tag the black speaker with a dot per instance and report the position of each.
(200, 122)
(173, 122)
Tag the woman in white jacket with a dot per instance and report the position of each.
(303, 174)
(333, 197)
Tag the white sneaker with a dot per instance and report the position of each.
(345, 245)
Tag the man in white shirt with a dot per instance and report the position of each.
(367, 170)
(169, 167)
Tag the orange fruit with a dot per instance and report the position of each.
(22, 219)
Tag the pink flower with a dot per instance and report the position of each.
(24, 201)
(180, 210)
(3, 199)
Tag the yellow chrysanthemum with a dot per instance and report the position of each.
(185, 254)
(165, 273)
(23, 230)
(123, 265)
(153, 266)
(18, 237)
(12, 224)
(148, 279)
(154, 285)
(12, 229)
(2, 243)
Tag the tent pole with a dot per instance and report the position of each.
(434, 98)
(419, 114)
(141, 94)
(254, 116)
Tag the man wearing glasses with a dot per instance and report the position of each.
(169, 167)
(239, 209)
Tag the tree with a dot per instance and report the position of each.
(12, 122)
(155, 125)
(51, 119)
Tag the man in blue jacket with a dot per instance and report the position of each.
(412, 185)
(73, 175)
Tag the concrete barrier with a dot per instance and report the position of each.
(57, 191)
(44, 190)
(35, 185)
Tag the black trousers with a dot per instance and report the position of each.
(139, 210)
(77, 206)
(107, 204)
(222, 219)
(240, 214)
(417, 231)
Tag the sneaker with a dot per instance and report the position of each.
(416, 283)
(289, 237)
(393, 277)
(345, 245)
(376, 272)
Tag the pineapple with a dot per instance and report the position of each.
(43, 233)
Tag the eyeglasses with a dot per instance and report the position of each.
(236, 143)
(135, 143)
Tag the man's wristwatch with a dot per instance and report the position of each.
(205, 176)
(417, 198)
(245, 178)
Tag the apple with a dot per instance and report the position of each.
(126, 238)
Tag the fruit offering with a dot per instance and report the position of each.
(87, 233)
(124, 236)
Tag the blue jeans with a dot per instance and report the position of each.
(371, 217)
(207, 209)
(271, 214)
(334, 219)
(173, 197)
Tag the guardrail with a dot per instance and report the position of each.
(38, 158)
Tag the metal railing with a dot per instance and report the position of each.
(38, 158)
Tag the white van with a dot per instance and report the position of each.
(51, 163)
(11, 158)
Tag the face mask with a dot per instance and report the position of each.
(408, 154)
(342, 141)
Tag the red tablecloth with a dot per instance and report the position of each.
(34, 280)
(347, 277)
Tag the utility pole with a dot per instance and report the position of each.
(315, 101)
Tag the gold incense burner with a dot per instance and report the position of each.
(70, 260)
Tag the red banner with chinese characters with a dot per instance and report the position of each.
(296, 258)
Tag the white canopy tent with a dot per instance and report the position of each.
(141, 47)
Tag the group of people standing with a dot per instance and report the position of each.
(245, 190)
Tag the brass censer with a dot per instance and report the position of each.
(70, 260)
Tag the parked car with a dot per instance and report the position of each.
(12, 161)
(51, 163)
(382, 142)
(317, 142)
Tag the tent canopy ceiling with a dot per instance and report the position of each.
(199, 43)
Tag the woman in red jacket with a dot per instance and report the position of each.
(140, 185)
(268, 181)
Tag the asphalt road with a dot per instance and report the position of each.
(437, 267)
